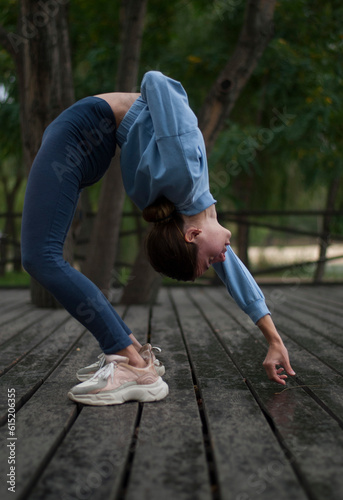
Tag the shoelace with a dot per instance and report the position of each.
(156, 348)
(105, 372)
(102, 360)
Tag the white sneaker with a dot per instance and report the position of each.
(88, 371)
(118, 382)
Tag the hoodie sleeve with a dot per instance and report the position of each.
(168, 105)
(182, 171)
(241, 286)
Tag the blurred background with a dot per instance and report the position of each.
(265, 80)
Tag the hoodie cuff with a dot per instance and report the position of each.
(128, 120)
(256, 310)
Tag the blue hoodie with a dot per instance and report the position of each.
(163, 154)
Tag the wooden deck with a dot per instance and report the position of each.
(224, 432)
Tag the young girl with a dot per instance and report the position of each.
(164, 169)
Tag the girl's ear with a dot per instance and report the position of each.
(191, 234)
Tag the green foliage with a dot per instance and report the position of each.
(94, 29)
(300, 74)
(190, 41)
(15, 279)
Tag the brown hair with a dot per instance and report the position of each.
(168, 251)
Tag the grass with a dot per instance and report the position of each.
(14, 279)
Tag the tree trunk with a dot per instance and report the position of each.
(243, 188)
(325, 239)
(105, 234)
(144, 282)
(44, 67)
(41, 51)
(255, 35)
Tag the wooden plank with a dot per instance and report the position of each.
(40, 424)
(45, 418)
(310, 313)
(20, 344)
(10, 298)
(322, 382)
(39, 446)
(14, 313)
(324, 296)
(137, 319)
(19, 324)
(316, 337)
(27, 375)
(312, 438)
(332, 293)
(318, 308)
(248, 457)
(91, 462)
(169, 459)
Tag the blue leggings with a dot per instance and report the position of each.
(76, 151)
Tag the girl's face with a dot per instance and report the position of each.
(211, 239)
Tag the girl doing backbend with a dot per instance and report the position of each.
(164, 170)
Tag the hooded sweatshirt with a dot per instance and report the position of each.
(163, 154)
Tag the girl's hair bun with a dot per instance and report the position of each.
(162, 210)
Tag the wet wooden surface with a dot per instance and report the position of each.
(225, 432)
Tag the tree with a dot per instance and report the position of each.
(291, 155)
(104, 238)
(255, 35)
(326, 231)
(40, 49)
(11, 173)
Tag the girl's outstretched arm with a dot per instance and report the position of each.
(277, 353)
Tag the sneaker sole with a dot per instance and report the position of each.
(160, 370)
(83, 378)
(142, 393)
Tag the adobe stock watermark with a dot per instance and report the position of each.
(264, 476)
(248, 149)
(83, 489)
(46, 11)
(11, 440)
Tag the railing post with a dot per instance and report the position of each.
(243, 239)
(325, 238)
(3, 253)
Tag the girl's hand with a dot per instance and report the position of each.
(276, 362)
(277, 359)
